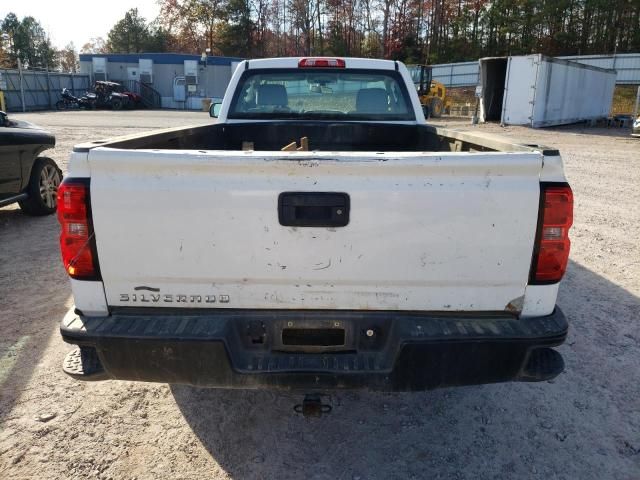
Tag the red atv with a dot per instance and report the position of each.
(115, 96)
(135, 99)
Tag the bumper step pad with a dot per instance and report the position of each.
(83, 363)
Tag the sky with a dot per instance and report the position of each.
(77, 21)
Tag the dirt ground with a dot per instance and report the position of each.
(583, 425)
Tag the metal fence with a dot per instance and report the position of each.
(465, 74)
(28, 90)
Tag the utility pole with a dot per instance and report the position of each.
(48, 86)
(24, 108)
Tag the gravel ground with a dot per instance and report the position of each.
(583, 425)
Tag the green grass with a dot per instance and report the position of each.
(624, 99)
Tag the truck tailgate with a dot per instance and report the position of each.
(427, 231)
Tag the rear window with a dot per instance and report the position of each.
(321, 94)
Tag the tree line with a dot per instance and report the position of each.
(26, 41)
(433, 31)
(428, 31)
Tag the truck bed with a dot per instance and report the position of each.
(323, 136)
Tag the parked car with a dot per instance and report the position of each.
(635, 132)
(25, 176)
(319, 235)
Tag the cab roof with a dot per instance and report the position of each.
(292, 62)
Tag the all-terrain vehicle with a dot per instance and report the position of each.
(134, 99)
(109, 95)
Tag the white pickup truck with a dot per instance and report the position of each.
(375, 251)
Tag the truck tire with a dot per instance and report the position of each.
(43, 188)
(436, 108)
(116, 104)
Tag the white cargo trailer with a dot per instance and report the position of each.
(541, 91)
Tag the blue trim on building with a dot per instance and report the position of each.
(159, 58)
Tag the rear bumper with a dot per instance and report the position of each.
(390, 351)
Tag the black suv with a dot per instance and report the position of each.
(26, 178)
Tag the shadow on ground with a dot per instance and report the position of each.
(30, 273)
(580, 425)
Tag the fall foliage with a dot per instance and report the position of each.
(433, 31)
(411, 30)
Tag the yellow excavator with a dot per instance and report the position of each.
(432, 94)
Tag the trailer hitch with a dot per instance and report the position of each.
(312, 406)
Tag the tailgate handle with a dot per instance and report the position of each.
(313, 209)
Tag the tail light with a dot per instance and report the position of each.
(552, 240)
(77, 241)
(321, 63)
